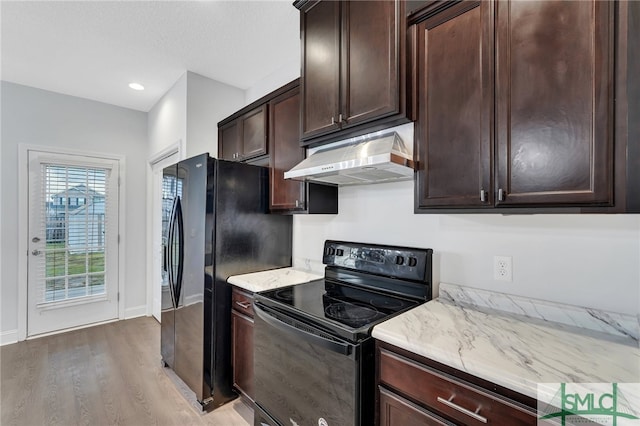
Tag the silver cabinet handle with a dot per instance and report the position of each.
(36, 252)
(333, 121)
(243, 305)
(483, 195)
(449, 403)
(500, 194)
(340, 118)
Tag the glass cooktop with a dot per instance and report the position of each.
(336, 303)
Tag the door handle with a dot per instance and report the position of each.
(36, 252)
(305, 332)
(180, 231)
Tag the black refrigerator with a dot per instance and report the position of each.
(216, 223)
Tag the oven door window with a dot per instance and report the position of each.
(302, 374)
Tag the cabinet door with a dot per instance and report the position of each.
(229, 141)
(284, 146)
(370, 60)
(242, 353)
(455, 98)
(554, 97)
(397, 411)
(254, 133)
(320, 81)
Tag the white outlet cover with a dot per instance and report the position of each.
(503, 268)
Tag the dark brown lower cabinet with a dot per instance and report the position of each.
(242, 342)
(395, 410)
(413, 390)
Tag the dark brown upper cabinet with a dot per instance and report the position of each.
(453, 131)
(554, 102)
(353, 68)
(244, 137)
(291, 196)
(229, 140)
(284, 150)
(284, 138)
(516, 106)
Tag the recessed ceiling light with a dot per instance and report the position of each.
(136, 86)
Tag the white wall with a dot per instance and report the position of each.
(189, 112)
(38, 117)
(586, 260)
(167, 120)
(287, 72)
(208, 102)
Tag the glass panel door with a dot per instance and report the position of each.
(73, 241)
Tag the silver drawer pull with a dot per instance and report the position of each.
(449, 403)
(243, 305)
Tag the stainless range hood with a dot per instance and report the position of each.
(380, 159)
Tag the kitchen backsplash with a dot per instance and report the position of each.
(589, 318)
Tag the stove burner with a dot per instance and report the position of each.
(391, 304)
(284, 294)
(350, 311)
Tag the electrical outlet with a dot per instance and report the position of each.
(503, 268)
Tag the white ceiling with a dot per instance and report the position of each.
(94, 49)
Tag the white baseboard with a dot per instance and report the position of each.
(8, 337)
(136, 311)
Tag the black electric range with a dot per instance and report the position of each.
(314, 355)
(344, 309)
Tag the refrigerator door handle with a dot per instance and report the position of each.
(169, 254)
(169, 251)
(180, 232)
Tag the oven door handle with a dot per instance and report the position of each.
(342, 348)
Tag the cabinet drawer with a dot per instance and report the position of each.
(242, 302)
(448, 396)
(397, 411)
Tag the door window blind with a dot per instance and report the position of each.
(74, 221)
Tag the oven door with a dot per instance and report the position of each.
(304, 376)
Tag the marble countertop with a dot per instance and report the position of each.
(517, 350)
(274, 278)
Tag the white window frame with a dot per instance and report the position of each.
(23, 225)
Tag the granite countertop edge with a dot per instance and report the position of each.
(526, 355)
(274, 278)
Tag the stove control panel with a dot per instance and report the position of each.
(401, 262)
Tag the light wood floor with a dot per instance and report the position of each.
(104, 375)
